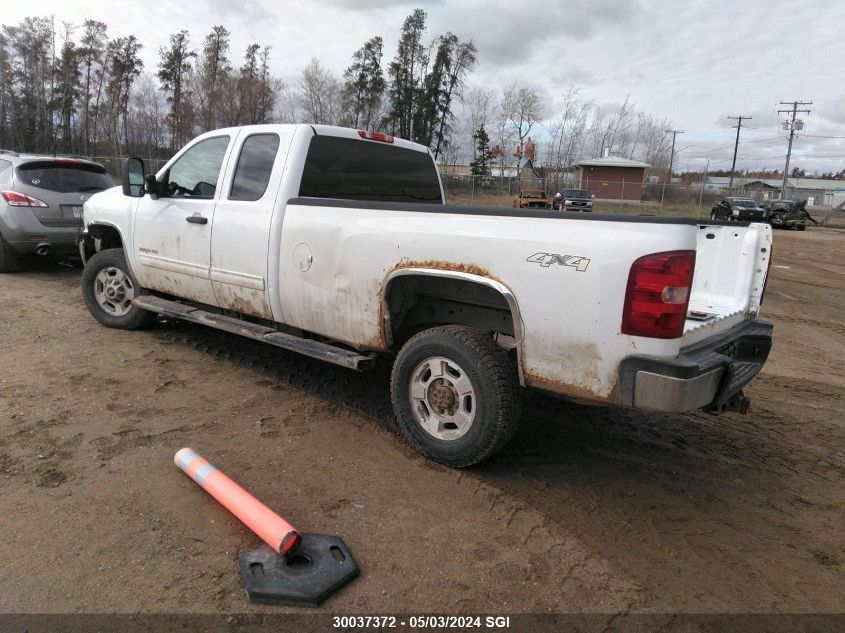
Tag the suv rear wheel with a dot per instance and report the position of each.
(8, 258)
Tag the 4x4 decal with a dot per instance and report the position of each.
(547, 259)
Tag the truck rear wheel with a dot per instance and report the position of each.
(455, 395)
(108, 288)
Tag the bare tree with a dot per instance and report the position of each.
(319, 94)
(522, 109)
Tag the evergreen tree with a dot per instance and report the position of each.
(405, 71)
(480, 166)
(174, 70)
(364, 86)
(213, 68)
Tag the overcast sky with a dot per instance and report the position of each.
(694, 61)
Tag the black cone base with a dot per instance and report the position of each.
(318, 568)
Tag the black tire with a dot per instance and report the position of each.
(496, 398)
(801, 227)
(714, 216)
(113, 259)
(9, 261)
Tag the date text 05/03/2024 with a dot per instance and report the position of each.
(421, 621)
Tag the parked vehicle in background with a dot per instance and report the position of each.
(41, 200)
(337, 244)
(573, 200)
(532, 199)
(789, 214)
(738, 209)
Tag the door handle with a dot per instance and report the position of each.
(196, 219)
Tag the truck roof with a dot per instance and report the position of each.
(320, 130)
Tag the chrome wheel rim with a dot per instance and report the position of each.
(443, 399)
(114, 291)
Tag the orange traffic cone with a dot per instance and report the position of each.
(273, 529)
(293, 568)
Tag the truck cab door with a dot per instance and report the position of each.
(242, 217)
(173, 232)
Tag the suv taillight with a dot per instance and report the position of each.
(658, 295)
(16, 199)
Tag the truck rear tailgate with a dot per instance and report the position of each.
(731, 265)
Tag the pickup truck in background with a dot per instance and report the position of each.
(336, 244)
(737, 208)
(573, 200)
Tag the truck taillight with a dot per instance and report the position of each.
(375, 136)
(658, 295)
(16, 199)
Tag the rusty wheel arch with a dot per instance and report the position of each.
(391, 319)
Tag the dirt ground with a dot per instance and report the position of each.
(588, 510)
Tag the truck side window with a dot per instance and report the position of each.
(255, 163)
(355, 169)
(195, 174)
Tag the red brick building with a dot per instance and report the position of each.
(611, 177)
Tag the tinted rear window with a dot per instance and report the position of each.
(352, 169)
(254, 166)
(64, 177)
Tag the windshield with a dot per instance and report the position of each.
(745, 204)
(65, 176)
(575, 193)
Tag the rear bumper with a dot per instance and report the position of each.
(703, 376)
(25, 234)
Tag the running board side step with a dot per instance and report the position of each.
(304, 346)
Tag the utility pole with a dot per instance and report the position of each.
(738, 126)
(791, 124)
(674, 133)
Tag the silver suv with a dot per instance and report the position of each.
(41, 201)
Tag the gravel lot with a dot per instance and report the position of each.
(589, 509)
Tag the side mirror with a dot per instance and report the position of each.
(151, 186)
(133, 178)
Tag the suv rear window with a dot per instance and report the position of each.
(352, 169)
(64, 177)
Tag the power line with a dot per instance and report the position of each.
(794, 112)
(738, 127)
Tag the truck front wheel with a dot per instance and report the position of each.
(108, 288)
(455, 394)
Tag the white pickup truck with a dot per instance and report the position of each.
(336, 244)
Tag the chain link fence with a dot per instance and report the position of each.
(651, 198)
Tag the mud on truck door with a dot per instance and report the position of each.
(242, 217)
(173, 230)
